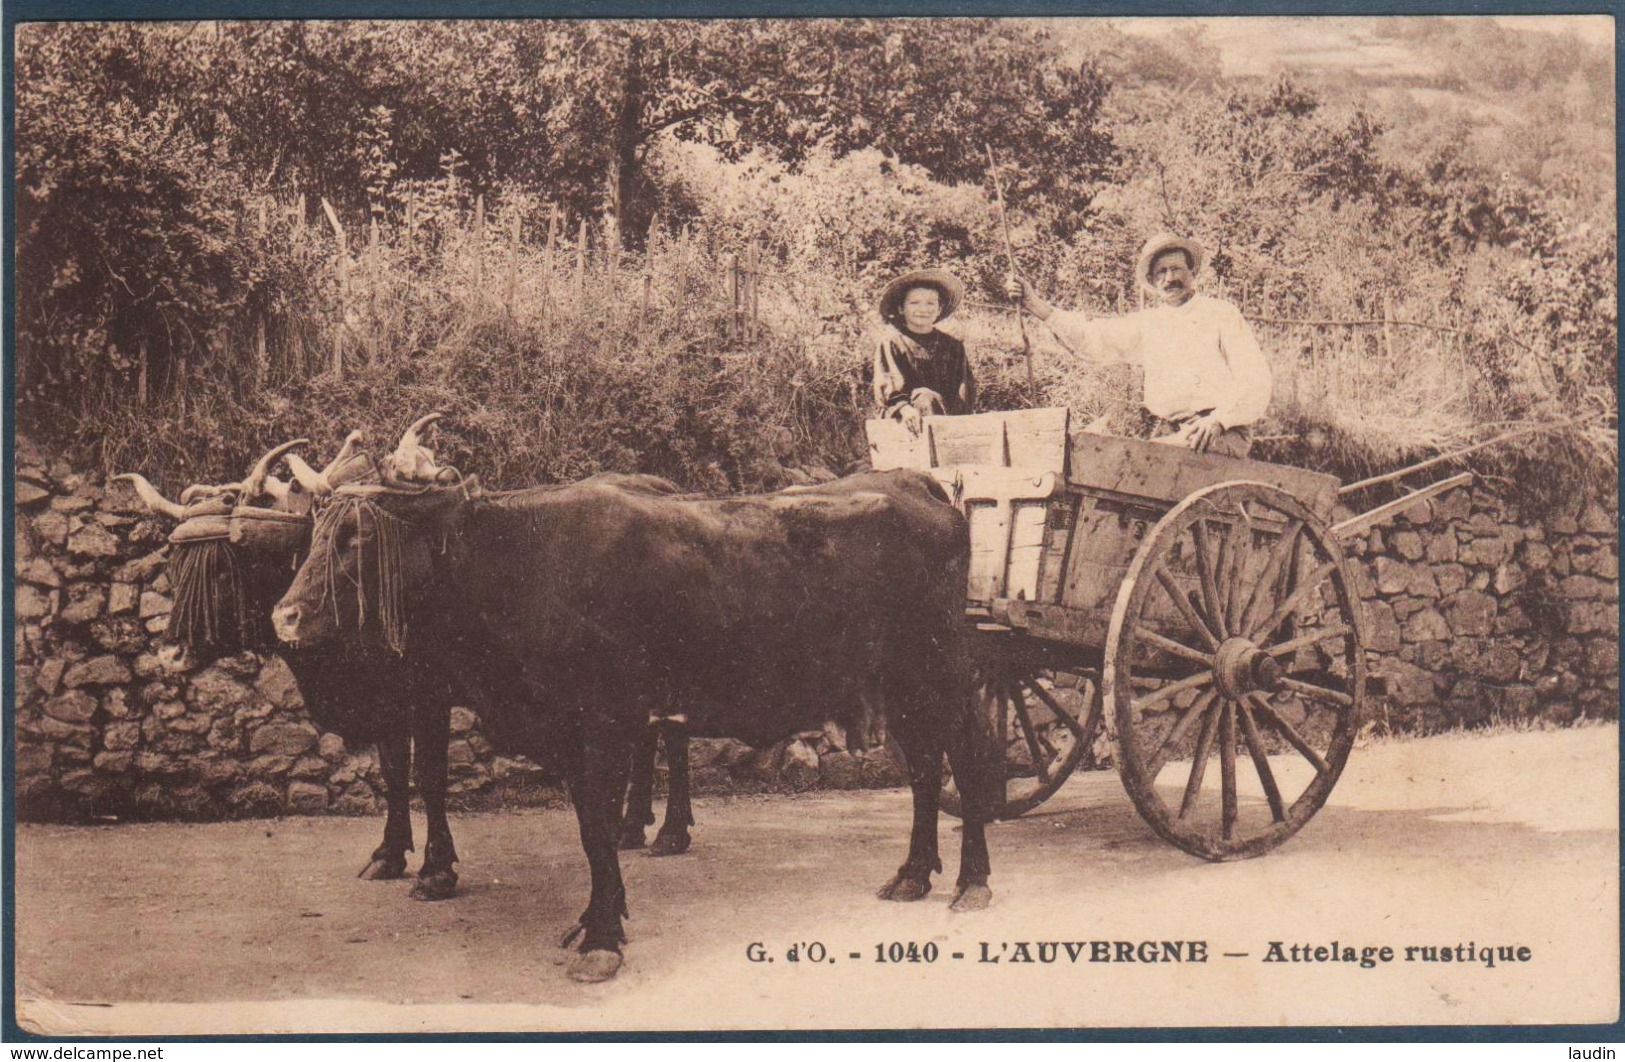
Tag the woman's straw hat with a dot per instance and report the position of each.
(947, 285)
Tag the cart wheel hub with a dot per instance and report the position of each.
(1242, 667)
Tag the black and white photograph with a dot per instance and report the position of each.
(661, 525)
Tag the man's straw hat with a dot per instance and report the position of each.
(1167, 241)
(947, 285)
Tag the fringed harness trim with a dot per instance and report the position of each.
(388, 577)
(209, 593)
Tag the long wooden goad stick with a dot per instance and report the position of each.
(1010, 254)
(1536, 429)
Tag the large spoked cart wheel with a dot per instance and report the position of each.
(1236, 637)
(1043, 712)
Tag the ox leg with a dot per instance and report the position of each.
(597, 788)
(389, 859)
(913, 879)
(436, 879)
(640, 796)
(970, 755)
(673, 837)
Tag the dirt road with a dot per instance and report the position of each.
(1508, 841)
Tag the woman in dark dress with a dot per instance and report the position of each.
(920, 371)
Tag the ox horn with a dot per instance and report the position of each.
(346, 452)
(409, 441)
(313, 481)
(254, 485)
(150, 496)
(320, 483)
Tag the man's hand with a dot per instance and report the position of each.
(1203, 432)
(1022, 294)
(911, 419)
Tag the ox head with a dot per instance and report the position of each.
(231, 555)
(372, 552)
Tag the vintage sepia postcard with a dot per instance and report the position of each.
(657, 525)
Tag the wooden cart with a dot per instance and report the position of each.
(1198, 606)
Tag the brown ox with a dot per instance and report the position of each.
(757, 616)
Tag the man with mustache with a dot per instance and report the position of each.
(1206, 380)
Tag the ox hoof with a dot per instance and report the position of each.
(441, 885)
(571, 934)
(591, 967)
(904, 889)
(670, 844)
(631, 838)
(386, 868)
(972, 898)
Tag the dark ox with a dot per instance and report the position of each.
(227, 570)
(755, 615)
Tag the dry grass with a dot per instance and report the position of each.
(549, 371)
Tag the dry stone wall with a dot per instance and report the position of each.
(1476, 612)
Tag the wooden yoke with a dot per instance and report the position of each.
(1000, 469)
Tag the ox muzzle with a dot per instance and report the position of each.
(285, 620)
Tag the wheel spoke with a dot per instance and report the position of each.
(1185, 609)
(1261, 763)
(1212, 607)
(1318, 693)
(1053, 705)
(1224, 574)
(1295, 739)
(1168, 645)
(1173, 689)
(1227, 769)
(1204, 745)
(1040, 762)
(1290, 605)
(1303, 641)
(1002, 710)
(1177, 732)
(1272, 570)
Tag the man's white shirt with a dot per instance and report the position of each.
(1198, 356)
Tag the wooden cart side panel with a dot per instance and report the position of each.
(1027, 533)
(893, 446)
(1090, 543)
(1059, 535)
(1034, 439)
(1171, 473)
(1107, 532)
(1006, 509)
